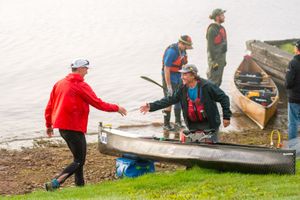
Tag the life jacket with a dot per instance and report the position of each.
(196, 112)
(221, 34)
(179, 61)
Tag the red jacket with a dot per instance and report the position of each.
(68, 106)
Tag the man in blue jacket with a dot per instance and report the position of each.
(174, 58)
(197, 98)
(292, 83)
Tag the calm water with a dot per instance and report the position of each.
(123, 39)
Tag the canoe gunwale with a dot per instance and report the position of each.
(221, 156)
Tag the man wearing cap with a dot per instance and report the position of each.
(197, 98)
(292, 83)
(174, 58)
(67, 110)
(216, 47)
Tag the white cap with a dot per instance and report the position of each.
(80, 62)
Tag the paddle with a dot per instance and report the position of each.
(152, 81)
(156, 83)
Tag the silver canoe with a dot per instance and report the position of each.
(220, 156)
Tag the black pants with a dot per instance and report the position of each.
(77, 144)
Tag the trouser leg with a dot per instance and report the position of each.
(167, 117)
(293, 121)
(77, 144)
(166, 111)
(178, 123)
(177, 108)
(177, 115)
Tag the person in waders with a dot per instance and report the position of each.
(174, 58)
(198, 98)
(216, 47)
(68, 110)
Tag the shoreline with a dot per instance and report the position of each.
(26, 170)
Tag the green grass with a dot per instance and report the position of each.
(197, 183)
(288, 47)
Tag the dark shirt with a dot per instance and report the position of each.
(292, 80)
(210, 95)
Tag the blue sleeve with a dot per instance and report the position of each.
(170, 57)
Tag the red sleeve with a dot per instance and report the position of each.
(48, 110)
(91, 98)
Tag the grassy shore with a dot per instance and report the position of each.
(196, 183)
(288, 47)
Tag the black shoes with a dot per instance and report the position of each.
(168, 128)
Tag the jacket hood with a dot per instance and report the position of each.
(74, 77)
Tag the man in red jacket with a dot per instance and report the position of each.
(68, 110)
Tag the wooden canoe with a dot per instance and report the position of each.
(220, 156)
(254, 92)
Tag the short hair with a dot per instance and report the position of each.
(74, 69)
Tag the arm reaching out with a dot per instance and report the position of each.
(122, 111)
(145, 108)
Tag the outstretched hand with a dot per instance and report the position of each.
(122, 111)
(145, 108)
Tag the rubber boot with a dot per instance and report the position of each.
(167, 116)
(178, 124)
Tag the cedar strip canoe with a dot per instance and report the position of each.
(220, 156)
(254, 92)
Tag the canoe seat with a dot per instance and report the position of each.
(244, 77)
(262, 84)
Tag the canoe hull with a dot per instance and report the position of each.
(224, 157)
(260, 114)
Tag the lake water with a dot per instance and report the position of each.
(122, 39)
